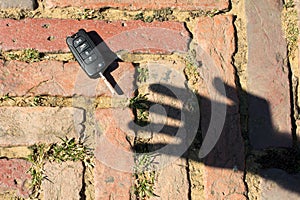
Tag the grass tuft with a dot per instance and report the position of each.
(191, 73)
(144, 175)
(143, 74)
(66, 150)
(290, 27)
(27, 55)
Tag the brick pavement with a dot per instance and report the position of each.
(209, 42)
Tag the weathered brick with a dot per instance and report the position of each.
(137, 5)
(31, 125)
(22, 4)
(224, 165)
(111, 183)
(267, 76)
(132, 36)
(277, 184)
(64, 180)
(58, 79)
(114, 158)
(14, 177)
(172, 181)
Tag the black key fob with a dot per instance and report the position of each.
(88, 55)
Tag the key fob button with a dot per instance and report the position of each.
(82, 47)
(86, 53)
(90, 59)
(78, 41)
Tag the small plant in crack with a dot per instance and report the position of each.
(163, 15)
(70, 150)
(144, 174)
(27, 55)
(140, 105)
(66, 150)
(91, 14)
(289, 4)
(144, 170)
(5, 98)
(37, 159)
(158, 15)
(192, 74)
(290, 27)
(139, 16)
(139, 102)
(38, 101)
(143, 74)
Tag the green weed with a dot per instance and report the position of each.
(6, 97)
(191, 73)
(289, 4)
(140, 105)
(163, 15)
(139, 102)
(144, 175)
(290, 27)
(37, 159)
(158, 15)
(27, 55)
(139, 16)
(37, 101)
(143, 74)
(66, 150)
(70, 150)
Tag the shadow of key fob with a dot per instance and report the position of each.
(89, 56)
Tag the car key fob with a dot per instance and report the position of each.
(87, 54)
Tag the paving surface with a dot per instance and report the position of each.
(269, 104)
(218, 124)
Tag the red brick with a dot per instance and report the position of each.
(111, 183)
(132, 36)
(31, 125)
(267, 76)
(14, 177)
(58, 79)
(224, 165)
(137, 5)
(114, 158)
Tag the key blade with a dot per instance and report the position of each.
(111, 89)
